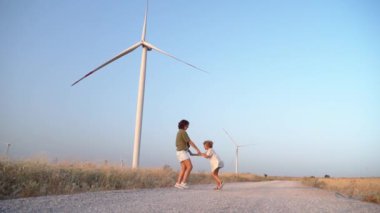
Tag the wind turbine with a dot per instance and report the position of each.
(237, 151)
(140, 98)
(7, 150)
(8, 147)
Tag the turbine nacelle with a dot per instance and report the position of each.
(144, 44)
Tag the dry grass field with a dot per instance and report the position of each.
(38, 178)
(366, 189)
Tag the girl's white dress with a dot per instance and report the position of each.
(215, 161)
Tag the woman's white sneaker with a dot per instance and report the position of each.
(184, 185)
(178, 186)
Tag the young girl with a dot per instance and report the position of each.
(215, 163)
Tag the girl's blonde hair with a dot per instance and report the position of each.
(208, 143)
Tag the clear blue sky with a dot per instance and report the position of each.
(300, 79)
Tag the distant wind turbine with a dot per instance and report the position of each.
(140, 98)
(7, 149)
(237, 151)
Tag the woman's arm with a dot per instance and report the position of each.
(194, 146)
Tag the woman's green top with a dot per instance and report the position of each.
(182, 140)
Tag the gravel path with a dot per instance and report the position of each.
(274, 196)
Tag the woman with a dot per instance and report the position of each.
(183, 143)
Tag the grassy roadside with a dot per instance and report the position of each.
(38, 178)
(366, 189)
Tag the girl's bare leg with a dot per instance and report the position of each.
(215, 175)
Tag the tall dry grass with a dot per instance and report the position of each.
(366, 189)
(38, 178)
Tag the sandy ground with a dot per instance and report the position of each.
(275, 196)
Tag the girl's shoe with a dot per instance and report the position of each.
(221, 185)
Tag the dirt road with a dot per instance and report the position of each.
(275, 196)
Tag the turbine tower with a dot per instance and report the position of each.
(237, 151)
(8, 147)
(140, 98)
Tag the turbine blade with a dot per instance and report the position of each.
(145, 20)
(165, 53)
(128, 50)
(251, 144)
(232, 140)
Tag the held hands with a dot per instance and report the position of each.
(202, 154)
(193, 154)
(199, 153)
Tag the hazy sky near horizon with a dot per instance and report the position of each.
(299, 79)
